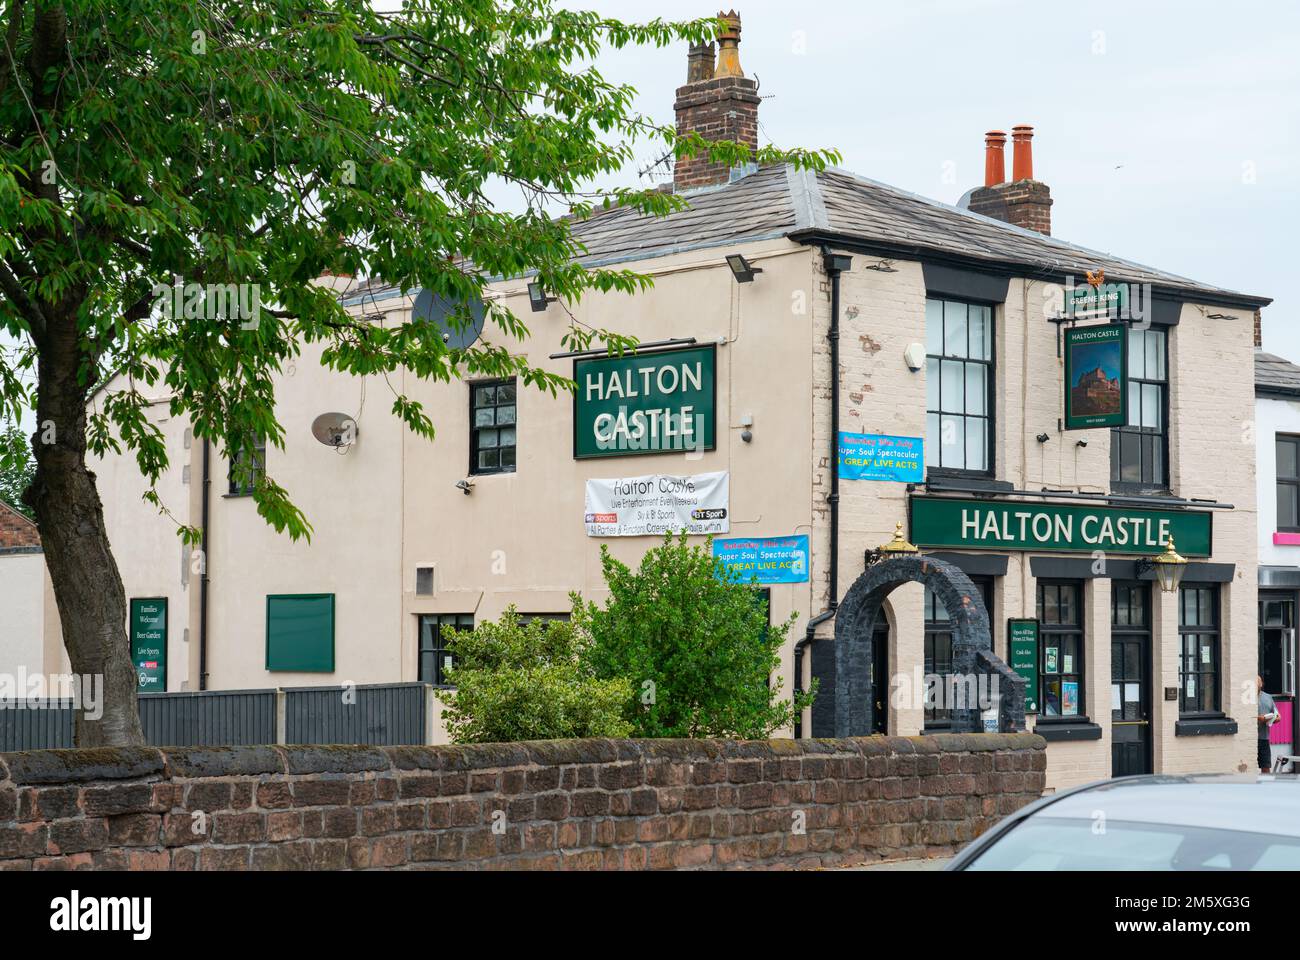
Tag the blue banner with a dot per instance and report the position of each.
(769, 559)
(866, 456)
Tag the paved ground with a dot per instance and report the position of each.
(936, 864)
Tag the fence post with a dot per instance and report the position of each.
(281, 721)
(430, 706)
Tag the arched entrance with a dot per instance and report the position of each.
(845, 699)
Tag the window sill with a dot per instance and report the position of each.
(1140, 489)
(1206, 727)
(938, 476)
(1058, 731)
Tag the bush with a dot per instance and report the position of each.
(695, 643)
(516, 682)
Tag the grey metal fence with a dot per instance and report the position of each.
(27, 725)
(382, 714)
(226, 718)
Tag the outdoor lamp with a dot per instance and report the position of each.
(1169, 567)
(899, 544)
(742, 269)
(537, 297)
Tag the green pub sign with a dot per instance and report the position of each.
(1103, 300)
(1022, 657)
(1041, 527)
(646, 403)
(1096, 376)
(149, 643)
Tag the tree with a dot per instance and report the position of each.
(173, 177)
(695, 642)
(17, 468)
(529, 682)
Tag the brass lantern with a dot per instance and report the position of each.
(899, 544)
(1169, 567)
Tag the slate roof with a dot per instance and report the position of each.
(838, 206)
(1275, 376)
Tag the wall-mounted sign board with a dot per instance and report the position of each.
(1103, 300)
(149, 643)
(1049, 528)
(636, 404)
(654, 505)
(1096, 376)
(765, 559)
(1022, 657)
(866, 456)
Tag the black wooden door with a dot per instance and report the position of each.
(1130, 679)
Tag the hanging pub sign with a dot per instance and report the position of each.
(1096, 376)
(1022, 657)
(149, 644)
(1096, 299)
(645, 403)
(983, 525)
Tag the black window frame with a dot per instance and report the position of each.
(936, 631)
(1215, 632)
(990, 400)
(474, 449)
(431, 644)
(1292, 482)
(258, 454)
(1135, 385)
(1078, 631)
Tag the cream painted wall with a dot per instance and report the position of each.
(22, 597)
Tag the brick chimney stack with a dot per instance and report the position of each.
(1024, 201)
(718, 102)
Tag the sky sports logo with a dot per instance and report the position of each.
(77, 914)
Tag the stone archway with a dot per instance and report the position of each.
(847, 708)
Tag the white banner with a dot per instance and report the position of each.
(655, 505)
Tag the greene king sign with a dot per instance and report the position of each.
(943, 522)
(651, 403)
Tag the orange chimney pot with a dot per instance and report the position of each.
(1022, 162)
(995, 164)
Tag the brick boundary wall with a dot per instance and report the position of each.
(571, 805)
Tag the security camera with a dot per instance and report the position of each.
(1081, 443)
(465, 486)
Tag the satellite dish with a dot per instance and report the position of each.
(437, 310)
(334, 429)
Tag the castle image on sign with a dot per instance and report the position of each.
(1095, 394)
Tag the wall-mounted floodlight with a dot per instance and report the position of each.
(741, 268)
(537, 297)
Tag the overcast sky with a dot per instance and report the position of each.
(1167, 131)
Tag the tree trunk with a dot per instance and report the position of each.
(87, 585)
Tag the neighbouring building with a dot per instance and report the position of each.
(30, 640)
(833, 357)
(1277, 441)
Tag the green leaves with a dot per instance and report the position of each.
(529, 682)
(263, 142)
(695, 643)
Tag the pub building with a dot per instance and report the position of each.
(829, 366)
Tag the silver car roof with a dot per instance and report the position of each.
(1256, 804)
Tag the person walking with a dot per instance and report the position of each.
(1268, 715)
